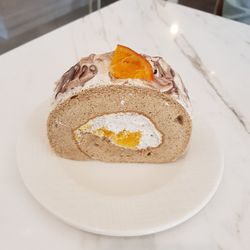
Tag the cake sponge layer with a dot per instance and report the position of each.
(168, 116)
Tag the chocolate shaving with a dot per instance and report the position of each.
(164, 75)
(84, 70)
(172, 72)
(87, 73)
(73, 96)
(66, 78)
(172, 90)
(93, 69)
(76, 76)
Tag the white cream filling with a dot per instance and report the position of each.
(128, 121)
(103, 79)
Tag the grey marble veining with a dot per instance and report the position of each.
(189, 52)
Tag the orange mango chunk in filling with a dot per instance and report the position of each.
(124, 138)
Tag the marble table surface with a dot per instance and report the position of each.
(212, 55)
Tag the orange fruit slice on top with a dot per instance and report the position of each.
(126, 63)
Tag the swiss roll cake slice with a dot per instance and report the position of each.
(120, 107)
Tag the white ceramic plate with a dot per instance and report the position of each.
(119, 199)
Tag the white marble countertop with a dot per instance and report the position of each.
(212, 55)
